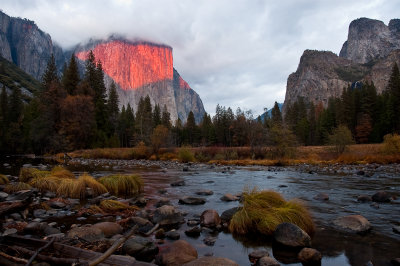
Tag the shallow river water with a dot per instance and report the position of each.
(337, 248)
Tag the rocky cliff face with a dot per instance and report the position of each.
(369, 54)
(143, 68)
(24, 44)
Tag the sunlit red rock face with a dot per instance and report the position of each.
(133, 65)
(143, 68)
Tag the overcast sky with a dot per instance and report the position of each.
(237, 53)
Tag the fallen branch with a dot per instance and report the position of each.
(14, 259)
(51, 259)
(114, 247)
(39, 250)
(152, 230)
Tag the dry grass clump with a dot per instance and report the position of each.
(4, 180)
(114, 206)
(263, 211)
(61, 172)
(48, 183)
(76, 188)
(28, 173)
(391, 144)
(122, 185)
(14, 187)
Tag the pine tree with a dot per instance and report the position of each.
(50, 75)
(156, 116)
(3, 119)
(191, 129)
(71, 77)
(276, 115)
(112, 108)
(166, 118)
(394, 89)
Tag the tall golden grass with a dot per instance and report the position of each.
(28, 173)
(263, 211)
(3, 180)
(14, 187)
(77, 188)
(123, 185)
(114, 206)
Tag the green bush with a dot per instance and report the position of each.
(391, 144)
(340, 139)
(185, 155)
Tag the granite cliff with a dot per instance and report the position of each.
(143, 68)
(368, 55)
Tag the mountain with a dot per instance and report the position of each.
(144, 68)
(369, 54)
(138, 68)
(24, 44)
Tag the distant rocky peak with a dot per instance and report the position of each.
(370, 39)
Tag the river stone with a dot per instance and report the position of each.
(109, 229)
(193, 232)
(167, 215)
(309, 255)
(322, 197)
(364, 198)
(227, 215)
(178, 183)
(395, 262)
(10, 231)
(3, 195)
(354, 223)
(178, 253)
(229, 197)
(267, 261)
(396, 229)
(40, 213)
(209, 240)
(291, 235)
(173, 235)
(21, 195)
(214, 261)
(192, 200)
(257, 254)
(162, 202)
(204, 192)
(210, 218)
(381, 196)
(88, 233)
(141, 248)
(56, 204)
(160, 233)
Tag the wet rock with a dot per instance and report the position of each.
(193, 222)
(40, 213)
(167, 215)
(141, 248)
(162, 202)
(267, 261)
(257, 254)
(364, 198)
(3, 195)
(210, 218)
(16, 216)
(353, 223)
(56, 204)
(396, 229)
(322, 197)
(209, 241)
(192, 200)
(193, 232)
(109, 229)
(49, 194)
(178, 253)
(160, 234)
(227, 215)
(185, 169)
(178, 183)
(310, 256)
(205, 192)
(89, 233)
(21, 195)
(10, 231)
(215, 261)
(282, 186)
(291, 235)
(360, 172)
(381, 196)
(229, 197)
(374, 205)
(173, 235)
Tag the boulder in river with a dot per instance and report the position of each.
(353, 223)
(229, 197)
(364, 198)
(109, 229)
(141, 248)
(322, 197)
(215, 261)
(88, 233)
(167, 215)
(193, 232)
(178, 253)
(210, 218)
(179, 183)
(173, 235)
(291, 235)
(257, 254)
(267, 261)
(204, 192)
(310, 256)
(227, 215)
(381, 196)
(192, 200)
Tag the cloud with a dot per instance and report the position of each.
(237, 53)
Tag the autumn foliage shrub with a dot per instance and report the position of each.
(391, 144)
(185, 155)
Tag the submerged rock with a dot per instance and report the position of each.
(210, 218)
(381, 196)
(291, 235)
(204, 192)
(257, 254)
(109, 229)
(141, 248)
(178, 183)
(267, 261)
(227, 215)
(322, 197)
(354, 223)
(310, 256)
(193, 232)
(178, 253)
(173, 235)
(229, 197)
(364, 198)
(192, 200)
(167, 215)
